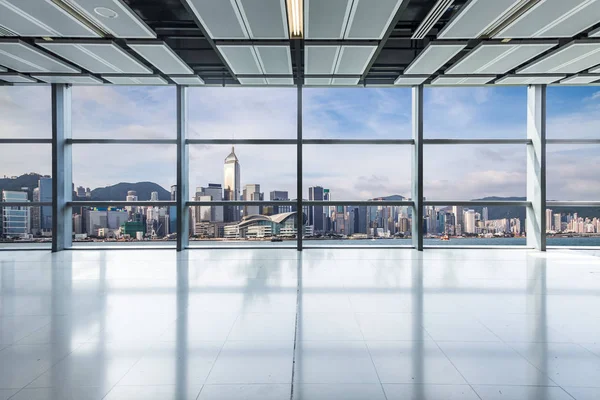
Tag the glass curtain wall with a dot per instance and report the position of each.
(25, 167)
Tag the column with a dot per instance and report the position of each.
(300, 213)
(536, 167)
(417, 167)
(183, 213)
(62, 176)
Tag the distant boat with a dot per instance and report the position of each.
(276, 239)
(445, 238)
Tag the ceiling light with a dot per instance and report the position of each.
(410, 80)
(106, 12)
(529, 79)
(295, 12)
(433, 57)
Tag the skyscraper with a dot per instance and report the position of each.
(252, 193)
(42, 216)
(14, 221)
(231, 185)
(548, 219)
(214, 192)
(315, 213)
(280, 195)
(469, 219)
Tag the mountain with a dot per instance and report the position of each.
(119, 191)
(29, 181)
(394, 197)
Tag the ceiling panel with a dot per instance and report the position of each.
(554, 18)
(241, 59)
(187, 80)
(445, 80)
(22, 57)
(582, 79)
(345, 81)
(476, 17)
(529, 79)
(114, 17)
(274, 60)
(320, 59)
(595, 70)
(259, 80)
(594, 33)
(41, 18)
(264, 19)
(410, 80)
(498, 58)
(280, 81)
(353, 60)
(326, 19)
(98, 57)
(570, 59)
(221, 19)
(162, 57)
(2, 69)
(16, 78)
(316, 81)
(70, 78)
(370, 21)
(433, 57)
(136, 80)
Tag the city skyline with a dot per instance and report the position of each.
(352, 172)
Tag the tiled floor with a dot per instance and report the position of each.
(276, 324)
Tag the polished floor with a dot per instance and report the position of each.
(277, 324)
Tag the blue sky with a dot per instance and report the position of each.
(351, 172)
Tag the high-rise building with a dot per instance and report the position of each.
(315, 213)
(213, 192)
(15, 220)
(280, 195)
(484, 214)
(231, 185)
(154, 196)
(252, 193)
(458, 219)
(131, 196)
(469, 218)
(557, 223)
(548, 220)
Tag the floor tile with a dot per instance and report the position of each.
(15, 328)
(264, 326)
(167, 363)
(493, 392)
(391, 326)
(583, 393)
(328, 326)
(6, 393)
(60, 393)
(522, 328)
(456, 328)
(338, 391)
(429, 392)
(154, 392)
(200, 327)
(412, 362)
(246, 362)
(492, 363)
(245, 392)
(333, 362)
(567, 364)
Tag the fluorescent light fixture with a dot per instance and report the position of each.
(22, 57)
(162, 57)
(498, 58)
(265, 19)
(274, 60)
(70, 79)
(433, 57)
(582, 79)
(570, 59)
(410, 80)
(529, 79)
(16, 78)
(252, 81)
(455, 80)
(136, 80)
(326, 19)
(295, 14)
(353, 60)
(370, 21)
(99, 57)
(553, 18)
(317, 81)
(190, 80)
(479, 16)
(432, 17)
(41, 18)
(113, 17)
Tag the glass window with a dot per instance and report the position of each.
(242, 113)
(572, 112)
(25, 112)
(475, 113)
(475, 172)
(124, 112)
(356, 113)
